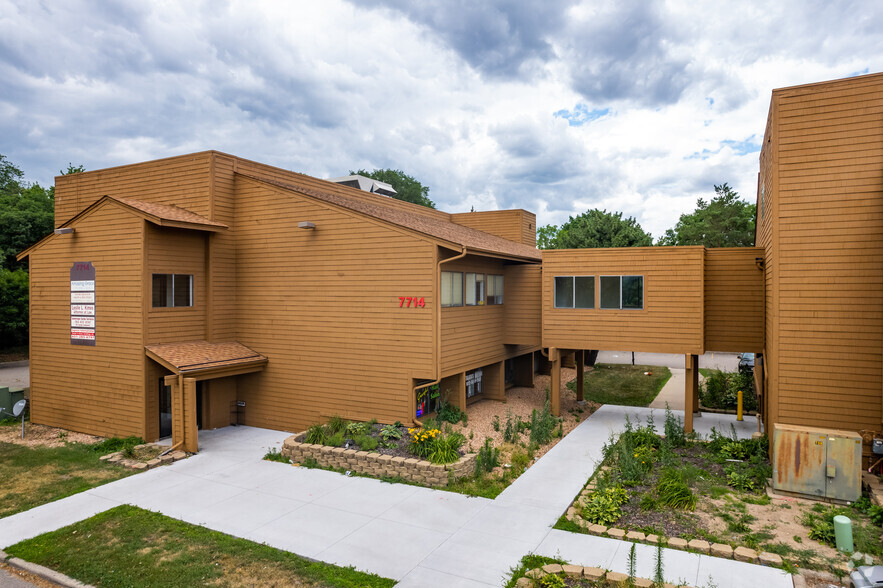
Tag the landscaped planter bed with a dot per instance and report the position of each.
(376, 464)
(710, 497)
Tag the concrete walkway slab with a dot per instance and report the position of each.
(417, 535)
(672, 393)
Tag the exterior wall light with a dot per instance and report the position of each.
(64, 231)
(306, 225)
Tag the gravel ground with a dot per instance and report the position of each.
(521, 401)
(43, 435)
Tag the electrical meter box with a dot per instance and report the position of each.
(821, 463)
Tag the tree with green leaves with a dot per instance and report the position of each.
(594, 228)
(725, 221)
(26, 213)
(407, 188)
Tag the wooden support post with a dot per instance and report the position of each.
(191, 434)
(493, 381)
(177, 409)
(580, 377)
(461, 391)
(691, 392)
(555, 388)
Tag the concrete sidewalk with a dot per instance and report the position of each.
(419, 536)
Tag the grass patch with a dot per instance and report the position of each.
(128, 546)
(530, 562)
(707, 372)
(36, 475)
(624, 385)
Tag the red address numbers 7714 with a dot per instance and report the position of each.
(411, 302)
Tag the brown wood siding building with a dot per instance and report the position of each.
(821, 189)
(319, 308)
(734, 286)
(671, 320)
(82, 388)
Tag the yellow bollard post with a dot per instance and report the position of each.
(739, 406)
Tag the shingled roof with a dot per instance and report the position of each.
(196, 356)
(164, 212)
(472, 239)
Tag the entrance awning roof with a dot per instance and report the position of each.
(203, 360)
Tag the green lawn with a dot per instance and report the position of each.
(624, 385)
(36, 475)
(128, 546)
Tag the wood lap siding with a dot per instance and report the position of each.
(176, 251)
(734, 300)
(672, 318)
(323, 306)
(508, 224)
(183, 181)
(475, 336)
(100, 389)
(523, 317)
(830, 253)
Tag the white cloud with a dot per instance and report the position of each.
(462, 96)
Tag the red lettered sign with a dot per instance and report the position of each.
(411, 302)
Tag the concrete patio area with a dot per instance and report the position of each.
(418, 536)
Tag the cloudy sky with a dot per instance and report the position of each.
(554, 106)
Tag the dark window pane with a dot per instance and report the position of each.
(585, 292)
(563, 291)
(162, 290)
(183, 287)
(633, 291)
(609, 291)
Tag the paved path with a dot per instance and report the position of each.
(673, 391)
(419, 536)
(728, 362)
(15, 374)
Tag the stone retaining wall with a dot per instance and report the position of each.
(377, 464)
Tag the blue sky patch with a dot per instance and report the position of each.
(745, 147)
(581, 115)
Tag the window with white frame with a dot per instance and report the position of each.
(574, 291)
(494, 289)
(452, 289)
(622, 292)
(475, 289)
(171, 290)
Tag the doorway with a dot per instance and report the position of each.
(165, 408)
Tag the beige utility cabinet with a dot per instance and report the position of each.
(821, 463)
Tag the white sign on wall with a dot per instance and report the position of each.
(83, 303)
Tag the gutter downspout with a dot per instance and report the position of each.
(438, 367)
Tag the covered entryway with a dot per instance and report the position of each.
(191, 364)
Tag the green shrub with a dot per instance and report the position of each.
(519, 461)
(336, 425)
(422, 441)
(672, 491)
(551, 581)
(366, 443)
(514, 427)
(355, 429)
(603, 506)
(719, 390)
(488, 457)
(496, 423)
(450, 413)
(740, 480)
(335, 440)
(445, 448)
(674, 429)
(542, 425)
(316, 434)
(388, 432)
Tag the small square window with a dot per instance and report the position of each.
(172, 290)
(563, 291)
(452, 289)
(610, 292)
(584, 292)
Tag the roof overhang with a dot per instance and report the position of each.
(202, 360)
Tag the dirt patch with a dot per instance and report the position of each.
(246, 574)
(42, 435)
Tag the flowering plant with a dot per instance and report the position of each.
(422, 441)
